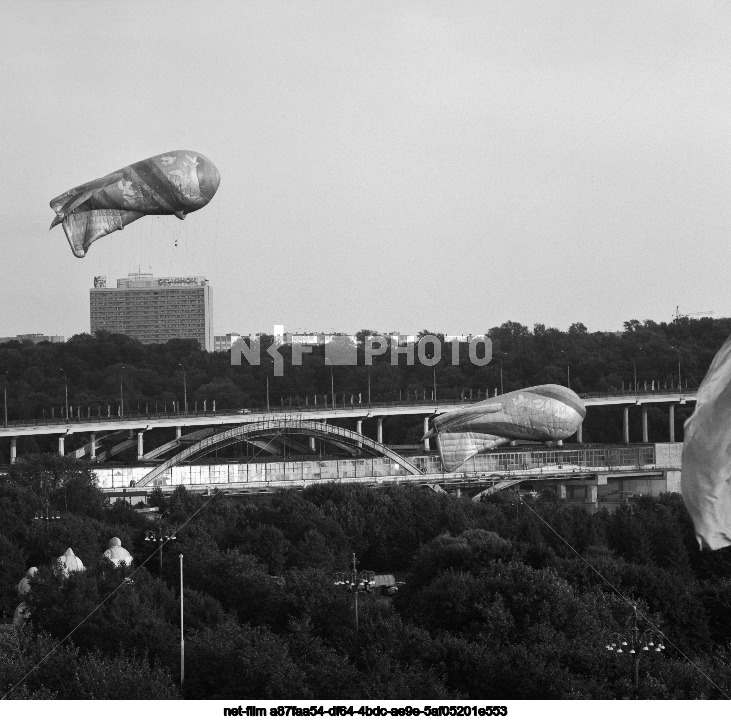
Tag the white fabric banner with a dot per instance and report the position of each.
(706, 467)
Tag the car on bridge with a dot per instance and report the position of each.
(243, 411)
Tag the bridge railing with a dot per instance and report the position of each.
(227, 412)
(289, 409)
(640, 392)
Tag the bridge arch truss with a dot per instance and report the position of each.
(276, 427)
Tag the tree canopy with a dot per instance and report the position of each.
(494, 600)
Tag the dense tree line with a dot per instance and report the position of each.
(507, 598)
(98, 370)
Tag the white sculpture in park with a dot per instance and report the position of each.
(117, 554)
(70, 563)
(21, 615)
(24, 585)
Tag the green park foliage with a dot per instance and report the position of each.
(508, 598)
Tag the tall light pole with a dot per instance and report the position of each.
(355, 582)
(267, 393)
(5, 396)
(634, 366)
(501, 375)
(680, 380)
(434, 382)
(121, 393)
(633, 642)
(369, 387)
(568, 369)
(160, 538)
(182, 638)
(332, 386)
(66, 388)
(185, 391)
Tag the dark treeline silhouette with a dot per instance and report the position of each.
(495, 604)
(151, 376)
(99, 370)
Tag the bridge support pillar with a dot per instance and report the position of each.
(592, 494)
(359, 429)
(178, 431)
(427, 447)
(61, 440)
(140, 445)
(644, 423)
(379, 429)
(625, 424)
(580, 433)
(92, 447)
(312, 444)
(671, 422)
(561, 491)
(13, 450)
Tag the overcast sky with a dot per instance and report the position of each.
(387, 165)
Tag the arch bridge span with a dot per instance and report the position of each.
(273, 429)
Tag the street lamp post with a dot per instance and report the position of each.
(185, 391)
(182, 639)
(66, 389)
(680, 380)
(634, 642)
(159, 538)
(568, 369)
(357, 582)
(501, 375)
(332, 386)
(121, 393)
(48, 516)
(5, 397)
(634, 365)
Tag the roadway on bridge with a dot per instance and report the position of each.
(145, 422)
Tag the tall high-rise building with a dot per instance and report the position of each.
(154, 310)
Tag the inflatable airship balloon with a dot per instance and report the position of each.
(545, 413)
(174, 183)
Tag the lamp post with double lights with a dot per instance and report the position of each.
(634, 366)
(356, 582)
(680, 381)
(185, 391)
(5, 396)
(568, 368)
(121, 393)
(66, 389)
(332, 386)
(634, 643)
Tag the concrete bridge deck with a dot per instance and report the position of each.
(147, 421)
